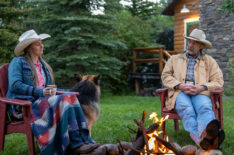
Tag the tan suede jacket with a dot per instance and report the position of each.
(206, 72)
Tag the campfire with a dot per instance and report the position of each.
(148, 142)
(155, 146)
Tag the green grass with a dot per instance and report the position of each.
(118, 112)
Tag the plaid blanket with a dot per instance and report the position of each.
(57, 122)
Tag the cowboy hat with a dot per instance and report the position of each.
(199, 35)
(26, 39)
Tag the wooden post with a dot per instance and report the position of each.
(134, 61)
(161, 60)
(137, 82)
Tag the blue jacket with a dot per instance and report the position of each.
(20, 80)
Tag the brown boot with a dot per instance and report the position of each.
(212, 129)
(212, 136)
(86, 148)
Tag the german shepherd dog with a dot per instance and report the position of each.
(89, 88)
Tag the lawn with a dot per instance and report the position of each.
(118, 112)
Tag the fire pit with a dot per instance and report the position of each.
(148, 142)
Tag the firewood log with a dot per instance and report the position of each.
(209, 152)
(177, 146)
(112, 149)
(101, 150)
(188, 150)
(125, 145)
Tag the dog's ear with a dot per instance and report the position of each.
(78, 77)
(97, 79)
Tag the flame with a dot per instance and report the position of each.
(154, 145)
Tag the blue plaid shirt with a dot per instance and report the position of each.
(190, 67)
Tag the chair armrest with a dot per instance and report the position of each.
(65, 92)
(162, 94)
(218, 91)
(161, 90)
(15, 101)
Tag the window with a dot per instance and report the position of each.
(189, 25)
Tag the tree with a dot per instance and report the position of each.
(133, 32)
(227, 6)
(112, 7)
(142, 8)
(150, 12)
(78, 44)
(10, 27)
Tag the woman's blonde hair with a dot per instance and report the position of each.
(34, 72)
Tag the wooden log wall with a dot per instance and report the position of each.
(193, 6)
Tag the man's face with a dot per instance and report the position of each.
(194, 47)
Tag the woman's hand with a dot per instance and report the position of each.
(48, 91)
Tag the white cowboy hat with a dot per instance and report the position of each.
(199, 35)
(26, 39)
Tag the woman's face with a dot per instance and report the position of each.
(36, 48)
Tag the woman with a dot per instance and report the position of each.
(58, 121)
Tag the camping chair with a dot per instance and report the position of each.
(8, 126)
(216, 97)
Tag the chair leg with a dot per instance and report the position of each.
(2, 139)
(30, 139)
(176, 124)
(2, 125)
(163, 129)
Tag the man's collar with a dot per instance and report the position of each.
(191, 56)
(200, 56)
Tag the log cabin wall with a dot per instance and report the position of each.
(179, 18)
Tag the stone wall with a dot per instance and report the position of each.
(219, 29)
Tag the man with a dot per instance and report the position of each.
(189, 77)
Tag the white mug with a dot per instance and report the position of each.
(54, 88)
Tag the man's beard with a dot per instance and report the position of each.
(191, 49)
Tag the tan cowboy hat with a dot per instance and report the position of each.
(199, 35)
(26, 39)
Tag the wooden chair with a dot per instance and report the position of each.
(15, 126)
(216, 97)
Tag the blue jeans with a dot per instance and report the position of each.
(196, 112)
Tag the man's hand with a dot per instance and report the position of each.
(191, 89)
(183, 87)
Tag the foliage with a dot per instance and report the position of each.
(112, 7)
(133, 32)
(227, 6)
(78, 44)
(150, 13)
(137, 26)
(160, 22)
(117, 112)
(166, 38)
(9, 28)
(143, 9)
(82, 42)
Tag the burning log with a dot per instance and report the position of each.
(169, 146)
(142, 139)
